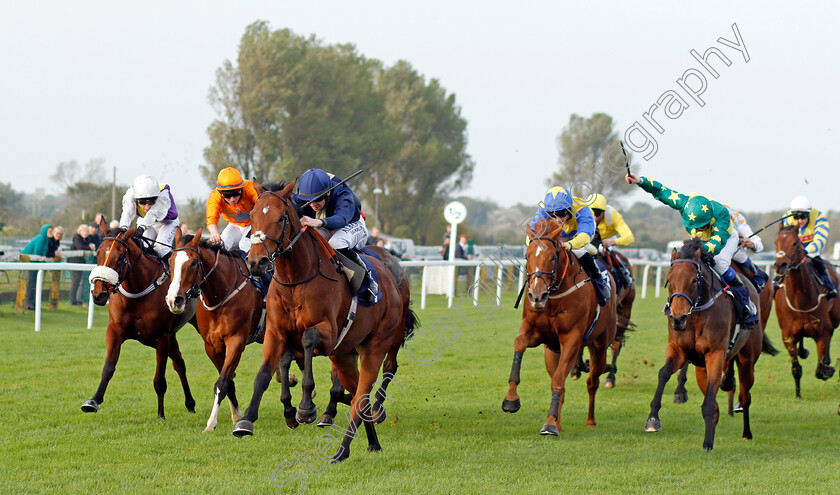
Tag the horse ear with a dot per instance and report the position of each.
(674, 254)
(287, 191)
(196, 239)
(257, 186)
(178, 236)
(102, 225)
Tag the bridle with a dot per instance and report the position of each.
(195, 289)
(698, 283)
(259, 237)
(125, 266)
(554, 285)
(790, 258)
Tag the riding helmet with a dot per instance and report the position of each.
(313, 184)
(800, 203)
(145, 186)
(229, 178)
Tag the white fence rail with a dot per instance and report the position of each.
(438, 277)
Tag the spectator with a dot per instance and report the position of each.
(37, 246)
(114, 224)
(82, 241)
(466, 248)
(94, 232)
(54, 247)
(444, 250)
(373, 237)
(386, 245)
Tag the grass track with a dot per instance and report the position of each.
(445, 431)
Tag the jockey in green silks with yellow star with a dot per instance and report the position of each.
(710, 222)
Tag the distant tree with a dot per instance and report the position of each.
(68, 173)
(590, 158)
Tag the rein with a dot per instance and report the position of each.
(793, 267)
(554, 285)
(123, 273)
(260, 237)
(699, 281)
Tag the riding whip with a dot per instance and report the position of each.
(351, 176)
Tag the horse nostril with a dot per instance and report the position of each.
(179, 301)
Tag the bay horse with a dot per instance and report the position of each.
(765, 297)
(307, 305)
(229, 312)
(562, 312)
(801, 305)
(700, 323)
(134, 284)
(624, 309)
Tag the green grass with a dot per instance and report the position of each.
(445, 431)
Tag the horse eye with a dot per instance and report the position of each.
(193, 263)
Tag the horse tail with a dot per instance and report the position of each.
(767, 346)
(411, 323)
(624, 325)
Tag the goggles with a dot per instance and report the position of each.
(560, 213)
(231, 194)
(800, 215)
(597, 211)
(147, 201)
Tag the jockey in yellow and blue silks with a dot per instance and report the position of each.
(612, 231)
(813, 233)
(578, 224)
(710, 222)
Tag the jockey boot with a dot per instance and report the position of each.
(353, 261)
(827, 282)
(623, 270)
(588, 264)
(749, 314)
(756, 274)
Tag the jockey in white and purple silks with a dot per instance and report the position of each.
(152, 205)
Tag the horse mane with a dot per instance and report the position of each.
(115, 231)
(275, 186)
(691, 246)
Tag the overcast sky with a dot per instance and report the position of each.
(128, 82)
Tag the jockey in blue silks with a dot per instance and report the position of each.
(337, 216)
(578, 223)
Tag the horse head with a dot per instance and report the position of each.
(113, 263)
(274, 222)
(685, 283)
(543, 258)
(187, 271)
(790, 253)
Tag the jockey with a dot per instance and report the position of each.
(577, 222)
(152, 205)
(613, 232)
(709, 221)
(337, 216)
(813, 233)
(748, 241)
(232, 199)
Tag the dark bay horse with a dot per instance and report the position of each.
(624, 298)
(765, 297)
(228, 313)
(801, 305)
(700, 322)
(561, 311)
(307, 306)
(134, 284)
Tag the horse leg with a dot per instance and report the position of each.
(113, 343)
(511, 402)
(181, 368)
(681, 393)
(389, 371)
(371, 362)
(553, 424)
(709, 408)
(307, 412)
(160, 372)
(348, 373)
(578, 368)
(337, 395)
(273, 349)
(673, 360)
(224, 385)
(791, 346)
(597, 365)
(746, 379)
(218, 361)
(615, 348)
(824, 368)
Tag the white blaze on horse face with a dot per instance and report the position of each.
(180, 259)
(539, 250)
(265, 210)
(257, 237)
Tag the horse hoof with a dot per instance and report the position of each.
(379, 416)
(708, 446)
(609, 383)
(243, 428)
(575, 376)
(510, 406)
(326, 420)
(680, 398)
(90, 406)
(803, 353)
(549, 429)
(292, 423)
(340, 456)
(728, 383)
(305, 417)
(209, 429)
(653, 425)
(737, 408)
(374, 448)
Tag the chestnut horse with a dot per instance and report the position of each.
(765, 297)
(307, 306)
(562, 312)
(700, 324)
(801, 305)
(229, 312)
(134, 284)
